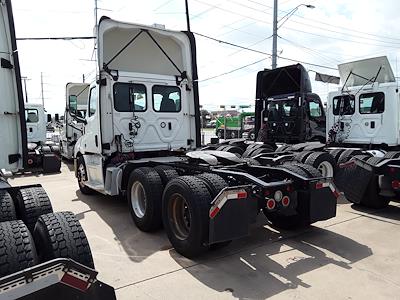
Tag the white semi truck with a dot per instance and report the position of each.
(43, 254)
(72, 128)
(43, 154)
(141, 140)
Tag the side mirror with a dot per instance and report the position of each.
(56, 117)
(48, 118)
(73, 104)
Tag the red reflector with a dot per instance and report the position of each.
(289, 188)
(74, 282)
(271, 204)
(336, 194)
(30, 161)
(396, 184)
(214, 212)
(285, 201)
(242, 195)
(266, 193)
(319, 185)
(392, 170)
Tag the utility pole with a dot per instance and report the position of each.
(275, 35)
(95, 15)
(26, 92)
(83, 78)
(41, 84)
(187, 15)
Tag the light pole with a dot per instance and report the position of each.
(276, 27)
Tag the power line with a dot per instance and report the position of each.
(289, 28)
(327, 24)
(65, 38)
(264, 53)
(231, 71)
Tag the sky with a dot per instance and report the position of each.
(332, 33)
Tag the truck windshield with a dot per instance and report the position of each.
(282, 109)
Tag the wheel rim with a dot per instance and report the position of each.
(138, 199)
(326, 169)
(81, 174)
(180, 218)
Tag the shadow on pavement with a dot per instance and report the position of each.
(261, 271)
(391, 212)
(114, 211)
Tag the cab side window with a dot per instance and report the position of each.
(315, 109)
(166, 98)
(31, 115)
(92, 101)
(344, 105)
(372, 103)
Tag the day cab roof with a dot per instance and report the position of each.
(282, 81)
(138, 48)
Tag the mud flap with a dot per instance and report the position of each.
(233, 220)
(51, 163)
(316, 204)
(353, 180)
(61, 279)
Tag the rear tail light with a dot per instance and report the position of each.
(270, 204)
(242, 195)
(285, 201)
(396, 184)
(30, 161)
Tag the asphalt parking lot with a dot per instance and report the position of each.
(352, 256)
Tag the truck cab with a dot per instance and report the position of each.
(72, 128)
(36, 121)
(364, 112)
(145, 100)
(286, 107)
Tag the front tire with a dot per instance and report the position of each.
(82, 177)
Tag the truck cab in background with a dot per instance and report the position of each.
(286, 109)
(364, 112)
(71, 127)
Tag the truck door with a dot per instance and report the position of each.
(316, 116)
(92, 139)
(371, 108)
(32, 124)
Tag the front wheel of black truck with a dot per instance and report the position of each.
(186, 204)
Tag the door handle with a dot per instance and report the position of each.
(372, 124)
(169, 125)
(96, 141)
(30, 129)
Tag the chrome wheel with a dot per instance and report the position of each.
(326, 169)
(138, 199)
(81, 174)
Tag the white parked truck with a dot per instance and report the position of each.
(72, 128)
(43, 254)
(141, 140)
(43, 154)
